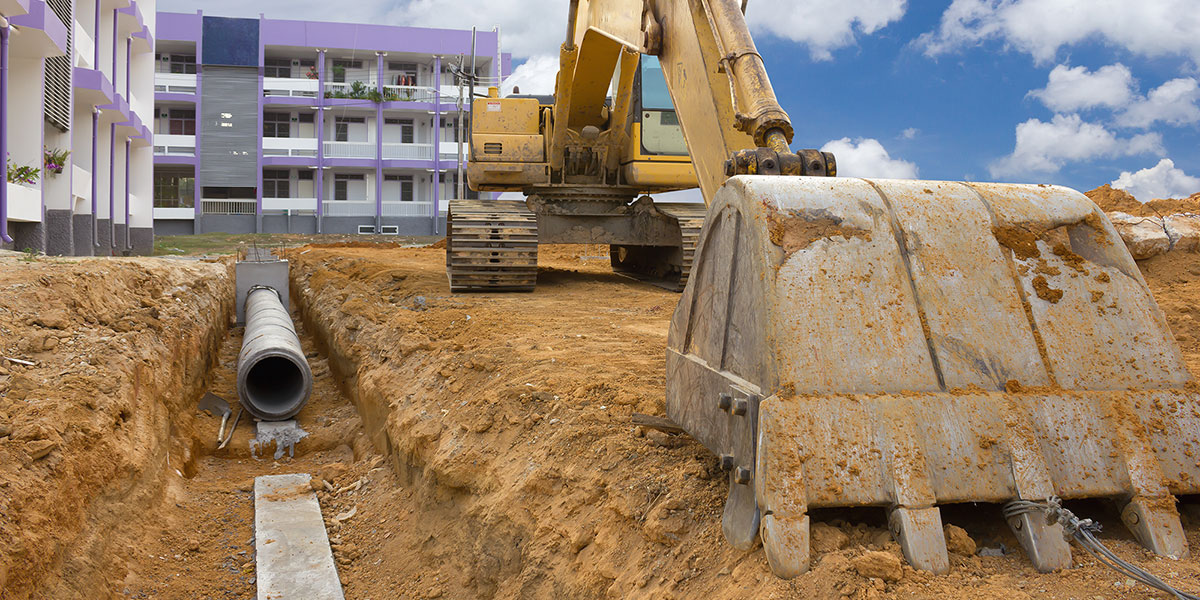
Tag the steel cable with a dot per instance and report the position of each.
(1082, 531)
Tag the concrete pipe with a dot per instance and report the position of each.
(273, 377)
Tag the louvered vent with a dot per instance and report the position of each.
(58, 73)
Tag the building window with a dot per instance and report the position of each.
(450, 129)
(341, 66)
(305, 175)
(341, 185)
(341, 127)
(277, 125)
(173, 190)
(403, 73)
(275, 184)
(407, 130)
(307, 118)
(181, 121)
(277, 67)
(406, 186)
(179, 63)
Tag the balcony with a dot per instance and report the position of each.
(350, 150)
(408, 151)
(449, 151)
(175, 83)
(176, 214)
(290, 87)
(349, 208)
(85, 48)
(25, 203)
(223, 206)
(273, 146)
(81, 182)
(408, 93)
(290, 204)
(407, 209)
(174, 145)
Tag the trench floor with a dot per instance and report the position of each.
(199, 543)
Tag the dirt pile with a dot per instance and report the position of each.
(506, 418)
(117, 346)
(1110, 199)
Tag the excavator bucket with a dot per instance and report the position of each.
(907, 344)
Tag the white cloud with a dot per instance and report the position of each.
(1163, 180)
(1075, 88)
(535, 76)
(910, 133)
(1042, 27)
(866, 157)
(1045, 147)
(1174, 103)
(822, 26)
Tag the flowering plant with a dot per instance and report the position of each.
(22, 174)
(55, 160)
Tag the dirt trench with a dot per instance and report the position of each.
(507, 419)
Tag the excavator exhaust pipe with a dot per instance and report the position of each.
(274, 380)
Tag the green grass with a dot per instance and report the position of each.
(231, 243)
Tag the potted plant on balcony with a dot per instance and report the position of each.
(22, 174)
(54, 160)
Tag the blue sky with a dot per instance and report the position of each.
(945, 89)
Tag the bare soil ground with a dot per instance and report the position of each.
(508, 417)
(483, 443)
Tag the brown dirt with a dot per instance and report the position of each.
(508, 466)
(89, 433)
(1114, 200)
(507, 417)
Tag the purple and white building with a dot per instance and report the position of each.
(77, 84)
(265, 125)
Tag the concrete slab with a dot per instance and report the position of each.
(293, 558)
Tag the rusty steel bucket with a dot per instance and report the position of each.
(905, 344)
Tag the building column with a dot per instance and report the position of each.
(437, 137)
(320, 178)
(128, 145)
(197, 192)
(379, 144)
(112, 187)
(4, 31)
(258, 209)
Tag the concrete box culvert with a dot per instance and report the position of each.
(273, 377)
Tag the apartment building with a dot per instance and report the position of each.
(76, 98)
(265, 125)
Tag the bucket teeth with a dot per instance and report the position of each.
(1043, 542)
(1155, 524)
(919, 533)
(786, 543)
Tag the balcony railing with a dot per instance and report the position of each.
(174, 145)
(228, 207)
(290, 87)
(350, 149)
(289, 146)
(407, 209)
(289, 204)
(349, 208)
(449, 151)
(408, 151)
(175, 83)
(409, 93)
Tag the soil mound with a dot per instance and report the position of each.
(1110, 199)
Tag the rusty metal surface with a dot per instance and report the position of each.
(919, 343)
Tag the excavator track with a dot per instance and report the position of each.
(491, 246)
(658, 265)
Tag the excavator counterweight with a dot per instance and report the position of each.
(842, 342)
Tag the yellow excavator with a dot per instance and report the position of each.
(841, 342)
